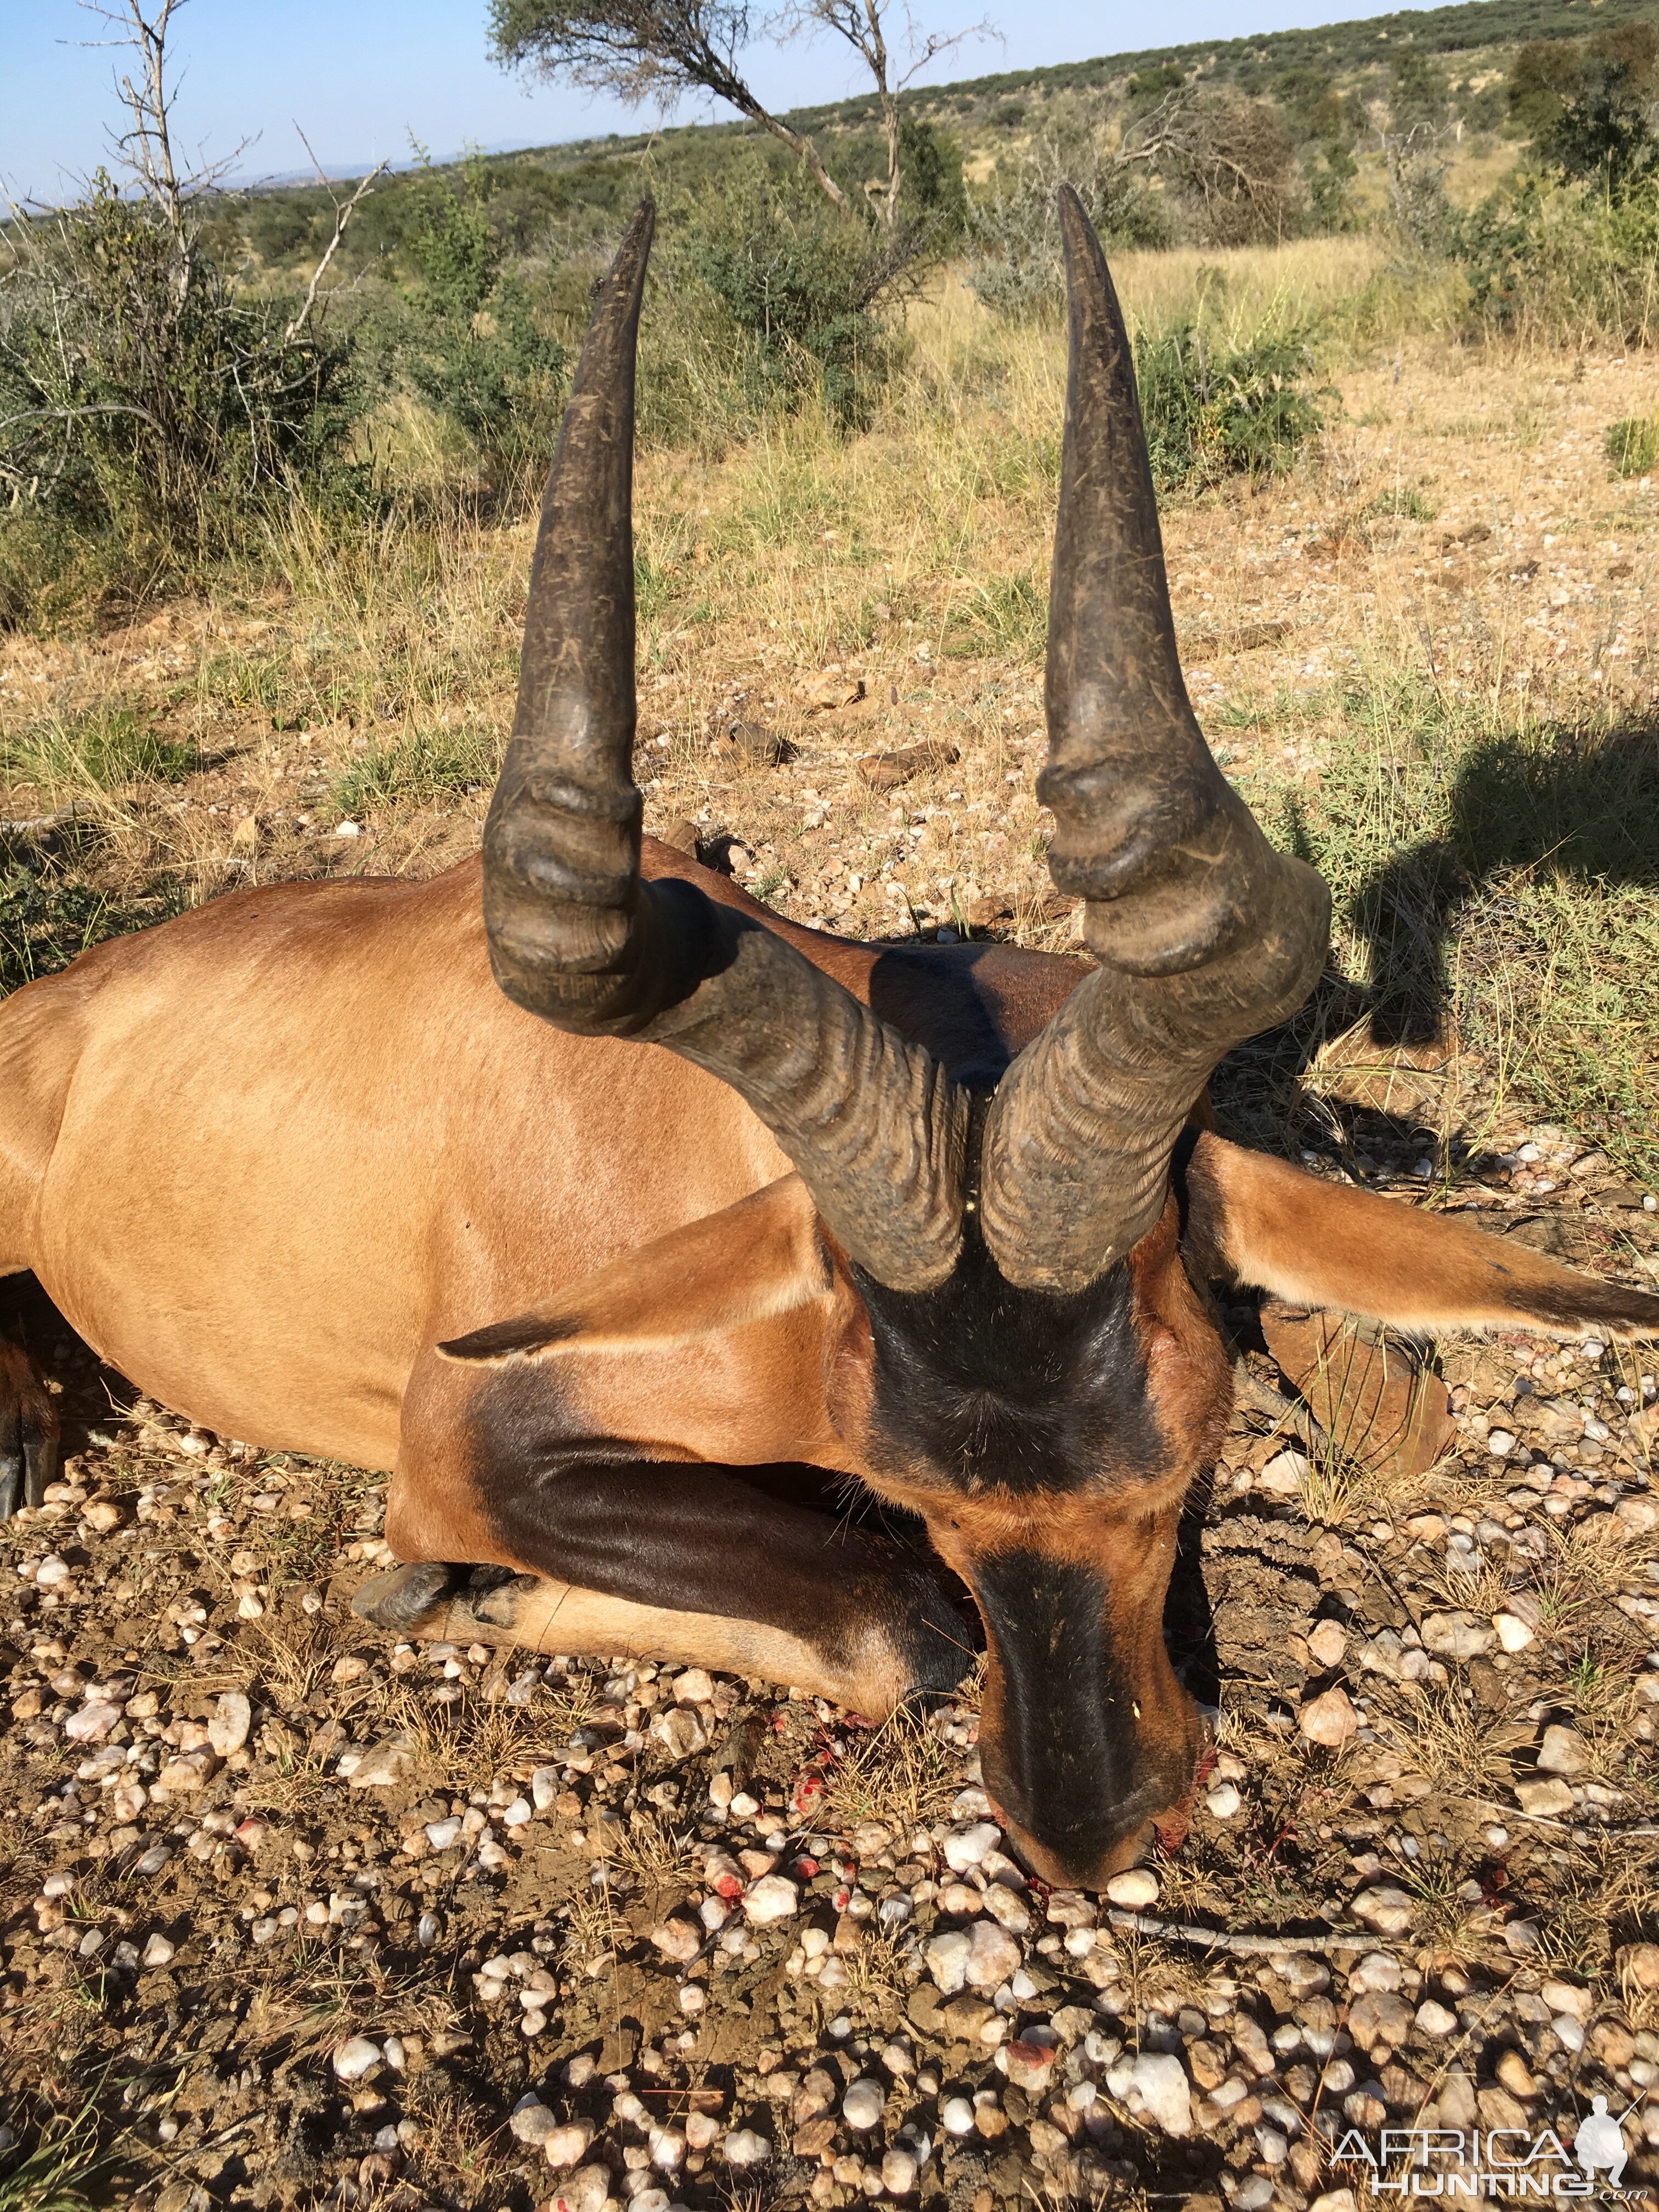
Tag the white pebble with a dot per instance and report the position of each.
(772, 1897)
(157, 1952)
(1500, 1442)
(531, 2122)
(354, 2058)
(947, 1961)
(1159, 2080)
(743, 2147)
(1513, 1632)
(966, 1847)
(233, 1717)
(565, 2147)
(92, 1722)
(1223, 1801)
(898, 2173)
(1134, 1890)
(955, 2117)
(517, 1813)
(1569, 2033)
(863, 2105)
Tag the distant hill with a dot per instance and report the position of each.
(1342, 70)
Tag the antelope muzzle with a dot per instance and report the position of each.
(1087, 1740)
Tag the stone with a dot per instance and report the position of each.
(1329, 1643)
(1456, 2099)
(566, 2146)
(1252, 2046)
(1377, 1970)
(1283, 1475)
(587, 2190)
(355, 2058)
(1638, 1965)
(743, 2147)
(1134, 1890)
(1457, 1635)
(1639, 1516)
(1008, 1908)
(700, 2129)
(1386, 1909)
(381, 1768)
(233, 1717)
(966, 1847)
(1498, 2109)
(694, 1687)
(1513, 1632)
(1329, 1720)
(1500, 1442)
(1436, 2021)
(1522, 1938)
(679, 1941)
(1031, 2066)
(1159, 2080)
(531, 2122)
(158, 1952)
(1224, 1802)
(1379, 2018)
(955, 2117)
(1517, 2077)
(1563, 1751)
(772, 1897)
(681, 1732)
(992, 1956)
(898, 2172)
(863, 2104)
(1335, 2200)
(1564, 1997)
(946, 1959)
(1545, 1799)
(92, 1723)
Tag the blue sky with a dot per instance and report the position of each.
(359, 76)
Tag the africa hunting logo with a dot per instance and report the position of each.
(1501, 2163)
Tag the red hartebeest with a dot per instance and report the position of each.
(612, 1257)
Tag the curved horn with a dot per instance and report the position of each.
(876, 1127)
(1205, 934)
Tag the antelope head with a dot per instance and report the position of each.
(1016, 1351)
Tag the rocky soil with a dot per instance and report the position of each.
(293, 1914)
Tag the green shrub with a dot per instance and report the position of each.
(1562, 262)
(1632, 445)
(472, 345)
(142, 394)
(809, 290)
(1217, 411)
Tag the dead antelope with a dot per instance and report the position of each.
(614, 1214)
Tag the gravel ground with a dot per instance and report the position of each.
(295, 1915)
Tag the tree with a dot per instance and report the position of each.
(862, 24)
(660, 50)
(135, 381)
(646, 49)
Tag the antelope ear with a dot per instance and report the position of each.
(1254, 1220)
(753, 1261)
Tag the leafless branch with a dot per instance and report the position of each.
(863, 24)
(343, 211)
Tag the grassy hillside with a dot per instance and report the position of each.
(1329, 85)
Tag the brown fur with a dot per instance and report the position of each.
(270, 1158)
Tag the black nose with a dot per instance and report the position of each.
(1067, 1760)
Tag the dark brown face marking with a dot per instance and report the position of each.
(1049, 1439)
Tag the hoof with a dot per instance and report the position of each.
(402, 1597)
(28, 1433)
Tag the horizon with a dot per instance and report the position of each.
(249, 80)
